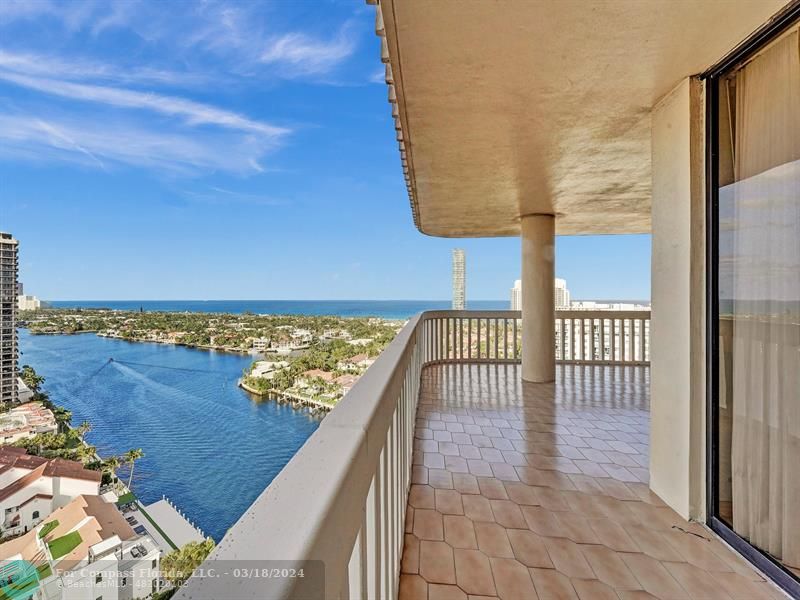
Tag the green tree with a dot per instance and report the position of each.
(33, 380)
(83, 429)
(130, 457)
(85, 453)
(62, 415)
(111, 464)
(178, 565)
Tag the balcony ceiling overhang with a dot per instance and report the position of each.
(506, 108)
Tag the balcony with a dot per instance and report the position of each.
(442, 474)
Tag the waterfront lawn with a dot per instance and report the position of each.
(48, 527)
(65, 544)
(126, 499)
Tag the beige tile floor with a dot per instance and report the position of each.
(540, 491)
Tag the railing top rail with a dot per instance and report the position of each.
(603, 314)
(471, 314)
(516, 314)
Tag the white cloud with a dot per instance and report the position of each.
(91, 143)
(73, 14)
(378, 76)
(194, 113)
(298, 54)
(43, 65)
(59, 138)
(217, 195)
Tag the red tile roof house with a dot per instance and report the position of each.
(346, 382)
(355, 362)
(305, 379)
(32, 487)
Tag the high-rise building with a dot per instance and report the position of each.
(459, 279)
(8, 318)
(562, 295)
(28, 303)
(516, 295)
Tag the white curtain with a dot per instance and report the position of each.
(760, 270)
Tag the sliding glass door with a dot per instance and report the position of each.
(755, 297)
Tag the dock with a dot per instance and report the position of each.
(179, 529)
(293, 398)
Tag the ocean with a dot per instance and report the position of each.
(387, 309)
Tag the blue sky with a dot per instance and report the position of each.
(229, 150)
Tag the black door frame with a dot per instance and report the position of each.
(764, 562)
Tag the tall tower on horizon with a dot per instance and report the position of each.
(516, 295)
(562, 299)
(459, 279)
(9, 353)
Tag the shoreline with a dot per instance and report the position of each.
(98, 333)
(286, 396)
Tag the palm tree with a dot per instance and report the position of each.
(63, 417)
(111, 464)
(85, 453)
(31, 378)
(83, 429)
(130, 457)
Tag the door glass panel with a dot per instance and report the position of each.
(759, 300)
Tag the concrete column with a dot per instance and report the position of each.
(538, 298)
(677, 326)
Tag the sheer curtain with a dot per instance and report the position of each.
(763, 204)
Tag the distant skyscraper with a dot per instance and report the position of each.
(562, 298)
(8, 318)
(562, 295)
(28, 303)
(516, 295)
(459, 279)
(20, 289)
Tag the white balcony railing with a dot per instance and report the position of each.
(611, 337)
(341, 500)
(496, 336)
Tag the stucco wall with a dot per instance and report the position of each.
(65, 489)
(677, 425)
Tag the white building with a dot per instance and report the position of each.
(32, 487)
(561, 294)
(24, 393)
(260, 344)
(28, 303)
(459, 279)
(594, 305)
(562, 297)
(355, 363)
(83, 551)
(267, 368)
(516, 295)
(26, 420)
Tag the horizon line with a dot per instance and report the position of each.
(320, 300)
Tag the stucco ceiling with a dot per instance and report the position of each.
(523, 106)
